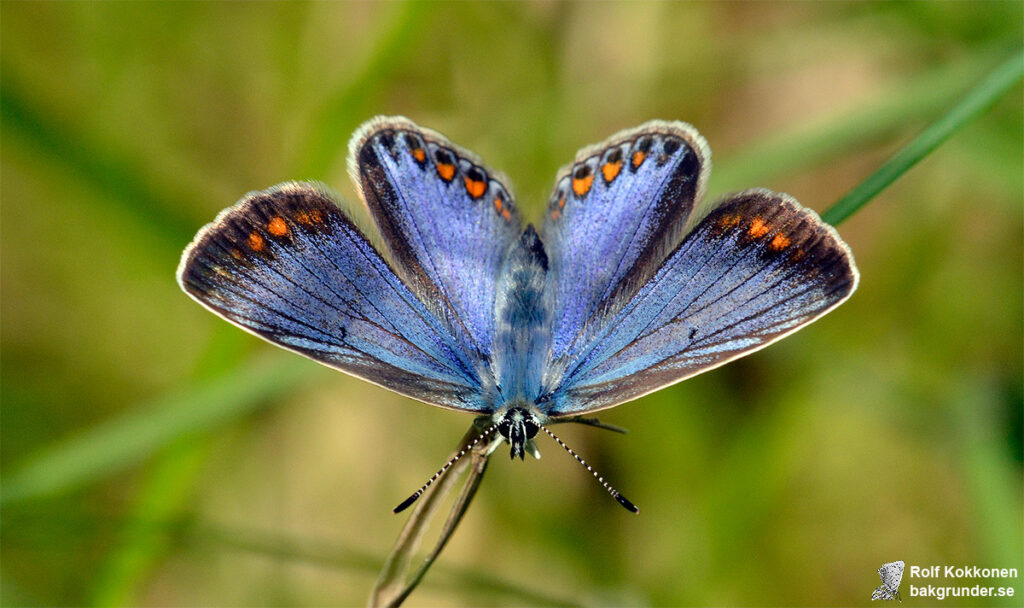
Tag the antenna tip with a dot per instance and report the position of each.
(408, 501)
(625, 503)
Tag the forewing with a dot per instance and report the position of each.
(614, 215)
(446, 220)
(754, 270)
(892, 574)
(287, 265)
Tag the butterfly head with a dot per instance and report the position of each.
(519, 425)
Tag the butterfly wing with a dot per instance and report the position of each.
(446, 221)
(892, 575)
(615, 214)
(754, 270)
(287, 265)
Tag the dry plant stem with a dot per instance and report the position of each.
(394, 583)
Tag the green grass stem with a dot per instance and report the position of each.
(979, 99)
(114, 445)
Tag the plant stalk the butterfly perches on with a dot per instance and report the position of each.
(395, 584)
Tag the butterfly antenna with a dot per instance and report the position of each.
(408, 501)
(615, 493)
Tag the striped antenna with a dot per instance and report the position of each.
(408, 501)
(615, 493)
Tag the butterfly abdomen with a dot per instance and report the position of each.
(522, 319)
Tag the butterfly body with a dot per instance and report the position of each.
(522, 321)
(623, 290)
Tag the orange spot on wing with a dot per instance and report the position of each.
(758, 228)
(780, 242)
(236, 254)
(419, 155)
(638, 158)
(277, 227)
(611, 170)
(728, 221)
(313, 216)
(503, 211)
(581, 185)
(476, 189)
(255, 241)
(446, 171)
(556, 214)
(561, 203)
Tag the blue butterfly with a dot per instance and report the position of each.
(625, 289)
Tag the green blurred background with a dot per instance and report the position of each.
(152, 454)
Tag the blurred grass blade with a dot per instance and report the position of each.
(164, 493)
(815, 142)
(116, 444)
(992, 485)
(121, 178)
(982, 97)
(322, 553)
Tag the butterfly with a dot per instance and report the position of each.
(625, 288)
(892, 574)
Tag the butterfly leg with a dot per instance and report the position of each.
(592, 422)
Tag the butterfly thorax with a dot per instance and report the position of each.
(518, 425)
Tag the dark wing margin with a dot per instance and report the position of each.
(287, 265)
(756, 269)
